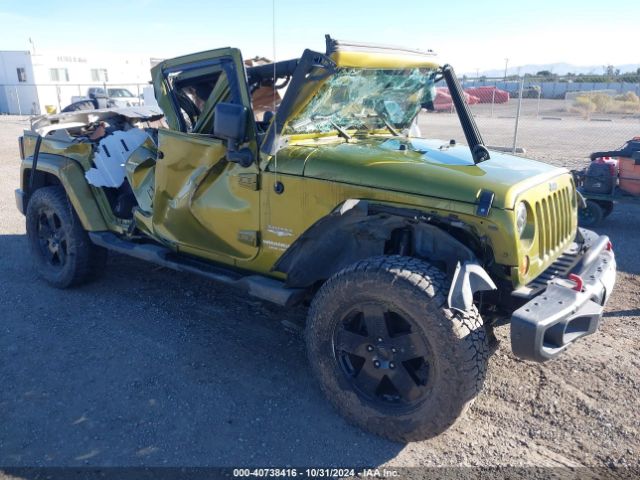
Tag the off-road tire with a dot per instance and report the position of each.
(607, 207)
(592, 215)
(458, 341)
(83, 260)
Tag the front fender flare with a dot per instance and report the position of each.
(358, 229)
(468, 278)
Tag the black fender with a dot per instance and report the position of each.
(68, 173)
(468, 278)
(358, 229)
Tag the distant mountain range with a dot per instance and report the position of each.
(557, 68)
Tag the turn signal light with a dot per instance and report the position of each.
(524, 266)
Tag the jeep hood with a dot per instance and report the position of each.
(424, 167)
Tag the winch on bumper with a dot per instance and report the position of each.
(569, 307)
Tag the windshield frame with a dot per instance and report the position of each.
(314, 68)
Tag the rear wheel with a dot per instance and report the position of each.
(592, 215)
(63, 253)
(388, 353)
(607, 207)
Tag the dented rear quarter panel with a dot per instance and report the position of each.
(68, 162)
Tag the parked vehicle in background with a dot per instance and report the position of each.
(115, 97)
(528, 91)
(611, 177)
(122, 97)
(410, 250)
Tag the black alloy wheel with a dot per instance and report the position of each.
(383, 355)
(590, 216)
(52, 238)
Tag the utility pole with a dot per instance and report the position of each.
(506, 64)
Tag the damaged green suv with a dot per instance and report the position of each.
(408, 249)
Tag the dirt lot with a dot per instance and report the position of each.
(152, 367)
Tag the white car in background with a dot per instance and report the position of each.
(114, 97)
(123, 97)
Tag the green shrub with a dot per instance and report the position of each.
(628, 107)
(584, 105)
(603, 103)
(628, 97)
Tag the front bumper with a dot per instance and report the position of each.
(546, 325)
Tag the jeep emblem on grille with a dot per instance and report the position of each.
(553, 186)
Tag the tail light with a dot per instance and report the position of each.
(21, 147)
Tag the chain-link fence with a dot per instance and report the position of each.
(36, 99)
(557, 122)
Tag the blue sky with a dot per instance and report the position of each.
(469, 35)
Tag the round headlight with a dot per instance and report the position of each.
(521, 217)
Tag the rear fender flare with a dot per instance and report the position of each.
(71, 176)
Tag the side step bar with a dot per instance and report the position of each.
(258, 286)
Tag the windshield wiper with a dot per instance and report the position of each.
(390, 127)
(341, 131)
(386, 122)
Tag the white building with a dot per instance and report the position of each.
(32, 83)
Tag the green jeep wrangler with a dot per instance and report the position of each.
(409, 250)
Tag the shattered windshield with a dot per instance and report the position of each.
(366, 99)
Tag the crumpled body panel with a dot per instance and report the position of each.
(199, 204)
(112, 154)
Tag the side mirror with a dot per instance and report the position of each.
(230, 124)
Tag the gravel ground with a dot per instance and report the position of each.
(152, 367)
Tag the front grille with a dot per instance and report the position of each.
(558, 269)
(553, 217)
